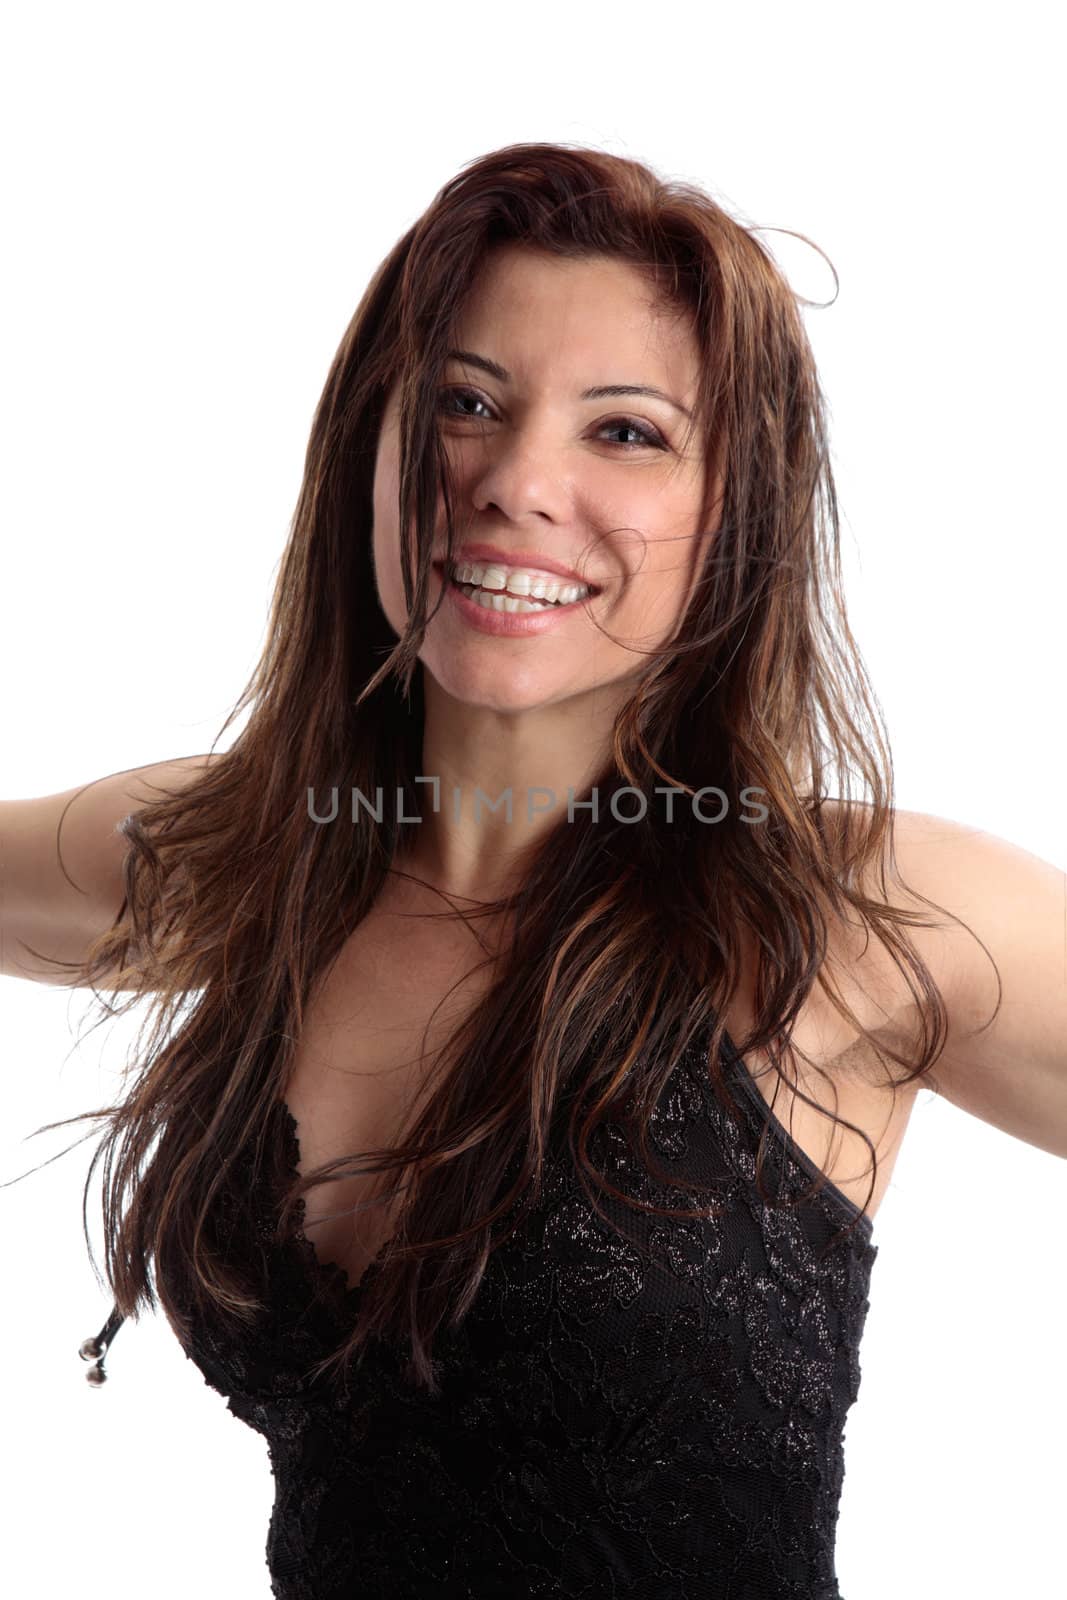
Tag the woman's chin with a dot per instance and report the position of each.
(498, 692)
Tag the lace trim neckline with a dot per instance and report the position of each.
(331, 1274)
(334, 1279)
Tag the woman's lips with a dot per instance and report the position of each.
(514, 624)
(487, 555)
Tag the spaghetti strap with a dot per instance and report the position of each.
(742, 1073)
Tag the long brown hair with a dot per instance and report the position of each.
(236, 901)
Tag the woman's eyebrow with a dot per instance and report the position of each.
(603, 391)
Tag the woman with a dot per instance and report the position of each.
(538, 1012)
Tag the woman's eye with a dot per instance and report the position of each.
(645, 438)
(460, 394)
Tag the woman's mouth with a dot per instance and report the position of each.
(510, 600)
(515, 590)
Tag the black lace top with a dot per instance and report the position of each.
(661, 1423)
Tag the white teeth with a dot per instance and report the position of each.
(499, 602)
(493, 578)
(520, 582)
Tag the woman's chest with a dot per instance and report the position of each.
(365, 1063)
(370, 1053)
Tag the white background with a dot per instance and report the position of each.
(194, 199)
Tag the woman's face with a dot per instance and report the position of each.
(552, 479)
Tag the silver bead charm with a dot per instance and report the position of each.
(95, 1349)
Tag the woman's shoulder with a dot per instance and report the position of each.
(990, 923)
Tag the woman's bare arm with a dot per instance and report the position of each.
(59, 913)
(1010, 1071)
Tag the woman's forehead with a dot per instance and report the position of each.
(531, 313)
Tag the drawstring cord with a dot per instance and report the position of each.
(96, 1349)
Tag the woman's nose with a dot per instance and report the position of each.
(522, 475)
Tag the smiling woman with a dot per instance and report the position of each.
(512, 1169)
(626, 520)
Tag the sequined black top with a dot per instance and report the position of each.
(661, 1423)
